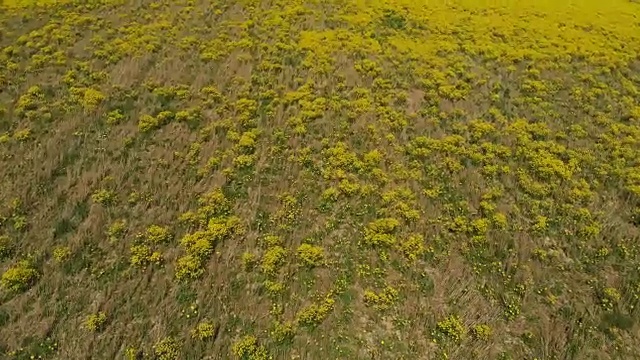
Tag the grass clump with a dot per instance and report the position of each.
(609, 298)
(6, 247)
(248, 260)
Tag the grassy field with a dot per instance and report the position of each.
(326, 179)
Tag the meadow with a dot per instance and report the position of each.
(319, 179)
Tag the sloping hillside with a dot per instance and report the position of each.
(335, 179)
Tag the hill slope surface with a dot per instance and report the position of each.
(319, 179)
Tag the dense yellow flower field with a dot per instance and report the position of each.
(336, 179)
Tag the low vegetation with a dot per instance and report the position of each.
(389, 179)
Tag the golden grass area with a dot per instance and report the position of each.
(328, 179)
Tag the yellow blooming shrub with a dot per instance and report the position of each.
(315, 314)
(382, 300)
(61, 253)
(19, 277)
(248, 348)
(310, 255)
(95, 322)
(92, 98)
(381, 232)
(272, 260)
(104, 197)
(450, 328)
(203, 331)
(158, 234)
(189, 267)
(481, 332)
(167, 348)
(413, 247)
